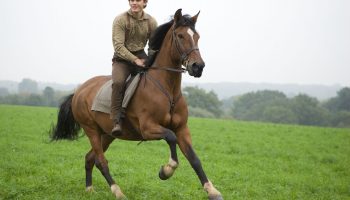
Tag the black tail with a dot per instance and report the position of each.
(66, 127)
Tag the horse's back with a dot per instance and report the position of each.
(88, 90)
(84, 96)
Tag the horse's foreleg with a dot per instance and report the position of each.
(185, 144)
(158, 133)
(100, 160)
(166, 171)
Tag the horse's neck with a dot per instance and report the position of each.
(166, 59)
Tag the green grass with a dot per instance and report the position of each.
(244, 160)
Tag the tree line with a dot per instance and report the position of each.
(29, 94)
(272, 106)
(265, 105)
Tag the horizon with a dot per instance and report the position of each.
(201, 83)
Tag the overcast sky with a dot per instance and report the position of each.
(271, 41)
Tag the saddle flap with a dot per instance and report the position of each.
(102, 100)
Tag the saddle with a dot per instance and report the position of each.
(102, 100)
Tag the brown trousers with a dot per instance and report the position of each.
(121, 70)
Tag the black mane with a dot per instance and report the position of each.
(158, 35)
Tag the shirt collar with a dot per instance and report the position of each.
(143, 15)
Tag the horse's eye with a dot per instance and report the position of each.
(180, 36)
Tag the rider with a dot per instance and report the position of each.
(131, 31)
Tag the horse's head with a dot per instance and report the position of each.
(186, 39)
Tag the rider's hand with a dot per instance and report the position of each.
(140, 62)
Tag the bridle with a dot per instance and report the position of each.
(181, 50)
(184, 61)
(183, 55)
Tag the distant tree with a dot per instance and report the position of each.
(199, 98)
(200, 112)
(339, 107)
(28, 86)
(227, 106)
(308, 110)
(4, 92)
(254, 106)
(48, 95)
(341, 102)
(34, 100)
(279, 114)
(341, 119)
(13, 99)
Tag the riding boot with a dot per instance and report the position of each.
(116, 108)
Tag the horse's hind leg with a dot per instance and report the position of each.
(90, 160)
(89, 165)
(100, 160)
(185, 144)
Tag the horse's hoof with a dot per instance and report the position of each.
(122, 198)
(89, 189)
(216, 197)
(162, 175)
(117, 192)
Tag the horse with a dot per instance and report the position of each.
(156, 111)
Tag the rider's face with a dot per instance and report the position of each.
(137, 5)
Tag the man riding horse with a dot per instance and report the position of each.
(131, 31)
(157, 111)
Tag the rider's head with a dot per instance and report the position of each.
(135, 3)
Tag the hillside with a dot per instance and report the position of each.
(12, 86)
(223, 89)
(229, 89)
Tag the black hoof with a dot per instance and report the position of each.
(162, 176)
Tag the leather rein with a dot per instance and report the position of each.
(184, 60)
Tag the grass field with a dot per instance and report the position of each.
(244, 160)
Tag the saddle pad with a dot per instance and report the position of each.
(102, 100)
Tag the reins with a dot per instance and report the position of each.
(183, 56)
(182, 70)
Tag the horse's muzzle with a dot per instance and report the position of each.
(196, 69)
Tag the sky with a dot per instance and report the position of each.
(255, 41)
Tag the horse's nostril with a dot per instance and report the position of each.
(198, 66)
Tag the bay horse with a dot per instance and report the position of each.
(157, 110)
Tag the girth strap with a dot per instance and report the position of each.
(172, 101)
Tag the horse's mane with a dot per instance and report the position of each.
(157, 37)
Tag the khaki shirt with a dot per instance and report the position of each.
(137, 34)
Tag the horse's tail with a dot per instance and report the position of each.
(66, 127)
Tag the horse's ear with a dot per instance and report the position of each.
(194, 18)
(178, 15)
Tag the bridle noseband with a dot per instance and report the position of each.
(181, 50)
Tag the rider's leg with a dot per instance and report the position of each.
(120, 73)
